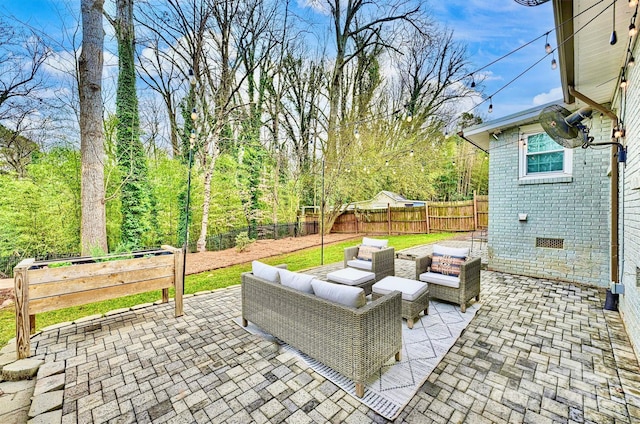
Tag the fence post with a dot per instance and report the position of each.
(426, 215)
(389, 217)
(475, 211)
(23, 320)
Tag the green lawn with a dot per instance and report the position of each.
(209, 280)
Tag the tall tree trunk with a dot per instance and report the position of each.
(131, 158)
(93, 233)
(206, 203)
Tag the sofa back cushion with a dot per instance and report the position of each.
(295, 280)
(365, 253)
(375, 242)
(266, 272)
(339, 293)
(448, 260)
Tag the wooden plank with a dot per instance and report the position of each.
(90, 296)
(21, 291)
(100, 269)
(475, 211)
(81, 284)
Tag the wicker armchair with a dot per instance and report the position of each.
(382, 263)
(468, 288)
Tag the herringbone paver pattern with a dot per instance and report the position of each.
(537, 352)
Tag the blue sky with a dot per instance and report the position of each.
(489, 28)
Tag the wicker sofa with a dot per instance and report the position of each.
(445, 287)
(382, 262)
(355, 342)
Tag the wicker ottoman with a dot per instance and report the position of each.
(415, 296)
(353, 277)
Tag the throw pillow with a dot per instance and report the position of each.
(338, 293)
(447, 264)
(365, 253)
(301, 282)
(264, 271)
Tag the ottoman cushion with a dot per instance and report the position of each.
(411, 289)
(350, 276)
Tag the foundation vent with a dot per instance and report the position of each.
(550, 243)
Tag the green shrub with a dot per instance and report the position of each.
(243, 241)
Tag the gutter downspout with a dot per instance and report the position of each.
(614, 183)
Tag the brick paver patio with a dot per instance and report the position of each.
(537, 351)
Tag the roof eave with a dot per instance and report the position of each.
(563, 16)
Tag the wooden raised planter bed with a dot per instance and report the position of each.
(39, 287)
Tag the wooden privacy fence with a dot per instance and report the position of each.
(468, 215)
(41, 286)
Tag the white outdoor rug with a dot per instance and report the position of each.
(422, 349)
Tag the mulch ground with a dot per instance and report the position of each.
(207, 261)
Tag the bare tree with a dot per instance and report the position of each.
(93, 225)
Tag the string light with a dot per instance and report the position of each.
(623, 81)
(192, 77)
(547, 46)
(632, 30)
(490, 105)
(632, 61)
(194, 114)
(473, 81)
(411, 153)
(356, 133)
(633, 3)
(554, 64)
(614, 38)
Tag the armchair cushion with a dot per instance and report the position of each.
(451, 251)
(365, 253)
(357, 263)
(440, 279)
(339, 293)
(266, 272)
(375, 242)
(448, 260)
(301, 282)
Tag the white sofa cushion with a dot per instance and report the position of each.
(440, 279)
(458, 252)
(295, 280)
(360, 264)
(339, 293)
(350, 276)
(266, 272)
(375, 242)
(411, 289)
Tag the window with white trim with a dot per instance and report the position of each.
(541, 157)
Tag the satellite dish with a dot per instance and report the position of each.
(564, 127)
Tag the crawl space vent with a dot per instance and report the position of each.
(550, 243)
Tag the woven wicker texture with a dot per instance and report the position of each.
(382, 261)
(354, 342)
(469, 282)
(411, 309)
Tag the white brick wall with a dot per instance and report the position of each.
(630, 213)
(576, 211)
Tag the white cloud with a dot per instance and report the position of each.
(552, 95)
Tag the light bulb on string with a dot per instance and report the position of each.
(411, 153)
(490, 105)
(193, 135)
(632, 30)
(632, 61)
(547, 46)
(633, 3)
(386, 163)
(409, 117)
(194, 114)
(192, 77)
(473, 82)
(554, 64)
(356, 133)
(623, 82)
